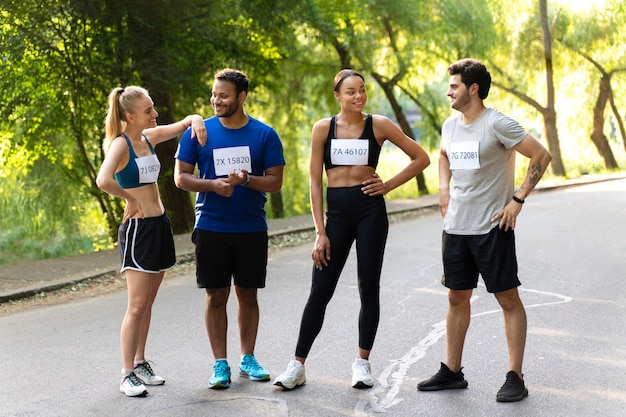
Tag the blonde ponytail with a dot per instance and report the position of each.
(120, 102)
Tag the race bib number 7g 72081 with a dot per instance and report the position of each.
(234, 158)
(464, 155)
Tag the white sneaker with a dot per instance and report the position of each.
(293, 377)
(362, 374)
(146, 375)
(132, 386)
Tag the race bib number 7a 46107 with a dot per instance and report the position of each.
(464, 155)
(234, 158)
(349, 151)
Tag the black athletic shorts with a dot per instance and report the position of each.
(147, 245)
(221, 257)
(491, 255)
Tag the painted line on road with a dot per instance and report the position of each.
(384, 394)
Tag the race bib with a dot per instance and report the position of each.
(349, 151)
(463, 155)
(227, 159)
(148, 167)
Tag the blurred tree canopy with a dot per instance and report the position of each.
(555, 68)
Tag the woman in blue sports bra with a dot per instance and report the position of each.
(347, 147)
(130, 171)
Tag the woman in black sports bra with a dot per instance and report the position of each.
(130, 170)
(347, 147)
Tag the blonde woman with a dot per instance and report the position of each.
(130, 171)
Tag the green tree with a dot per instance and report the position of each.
(50, 111)
(75, 52)
(597, 38)
(517, 74)
(548, 111)
(379, 40)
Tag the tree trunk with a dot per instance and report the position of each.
(618, 117)
(176, 201)
(551, 132)
(597, 134)
(404, 124)
(276, 204)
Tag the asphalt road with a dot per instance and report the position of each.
(64, 360)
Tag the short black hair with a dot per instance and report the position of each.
(241, 80)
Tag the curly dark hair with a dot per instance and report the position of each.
(472, 71)
(241, 80)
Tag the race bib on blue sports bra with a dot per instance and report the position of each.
(148, 168)
(233, 158)
(464, 155)
(349, 151)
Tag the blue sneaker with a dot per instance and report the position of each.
(221, 375)
(250, 368)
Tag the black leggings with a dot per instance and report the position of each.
(351, 216)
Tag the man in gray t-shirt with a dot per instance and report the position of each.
(480, 206)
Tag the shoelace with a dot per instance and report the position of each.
(292, 369)
(133, 380)
(362, 371)
(511, 382)
(220, 369)
(252, 364)
(148, 368)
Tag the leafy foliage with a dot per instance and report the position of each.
(61, 58)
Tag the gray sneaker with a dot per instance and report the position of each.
(132, 386)
(146, 375)
(293, 377)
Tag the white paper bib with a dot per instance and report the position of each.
(148, 168)
(349, 151)
(464, 155)
(234, 158)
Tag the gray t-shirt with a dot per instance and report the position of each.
(483, 169)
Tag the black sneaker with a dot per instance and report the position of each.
(513, 389)
(444, 379)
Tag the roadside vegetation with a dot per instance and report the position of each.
(557, 66)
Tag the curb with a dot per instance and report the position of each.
(285, 234)
(280, 238)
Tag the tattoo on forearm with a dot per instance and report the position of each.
(535, 172)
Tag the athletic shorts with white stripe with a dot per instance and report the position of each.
(147, 245)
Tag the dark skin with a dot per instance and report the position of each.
(228, 106)
(352, 98)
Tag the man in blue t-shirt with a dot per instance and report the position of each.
(242, 160)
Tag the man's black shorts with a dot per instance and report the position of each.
(491, 255)
(221, 257)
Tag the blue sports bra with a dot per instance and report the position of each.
(139, 170)
(335, 156)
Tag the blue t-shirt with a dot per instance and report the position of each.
(255, 144)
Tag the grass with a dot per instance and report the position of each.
(21, 239)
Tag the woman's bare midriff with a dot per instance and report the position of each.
(149, 199)
(348, 176)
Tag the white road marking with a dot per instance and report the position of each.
(384, 394)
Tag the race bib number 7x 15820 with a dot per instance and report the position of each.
(233, 158)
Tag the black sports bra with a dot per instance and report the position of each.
(337, 155)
